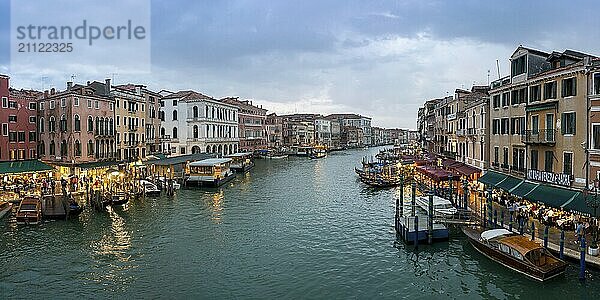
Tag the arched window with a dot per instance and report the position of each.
(195, 111)
(90, 148)
(77, 148)
(97, 125)
(195, 131)
(90, 125)
(42, 148)
(52, 124)
(52, 148)
(77, 123)
(206, 115)
(207, 149)
(175, 115)
(41, 125)
(63, 148)
(63, 123)
(162, 132)
(174, 132)
(111, 128)
(101, 123)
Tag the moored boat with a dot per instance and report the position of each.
(441, 207)
(29, 211)
(5, 208)
(118, 198)
(150, 189)
(515, 252)
(241, 162)
(212, 172)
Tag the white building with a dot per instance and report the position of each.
(194, 123)
(323, 132)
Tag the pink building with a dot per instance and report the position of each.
(18, 110)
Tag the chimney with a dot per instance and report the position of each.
(107, 86)
(52, 91)
(138, 90)
(69, 85)
(46, 94)
(88, 83)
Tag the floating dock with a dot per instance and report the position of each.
(54, 208)
(409, 232)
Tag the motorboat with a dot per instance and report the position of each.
(441, 207)
(150, 189)
(29, 211)
(516, 252)
(5, 208)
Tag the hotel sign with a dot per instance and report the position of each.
(554, 178)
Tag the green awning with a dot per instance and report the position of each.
(23, 166)
(523, 189)
(508, 183)
(551, 196)
(98, 164)
(543, 106)
(491, 178)
(578, 204)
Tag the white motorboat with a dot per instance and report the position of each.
(441, 207)
(150, 189)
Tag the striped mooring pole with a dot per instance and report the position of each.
(582, 260)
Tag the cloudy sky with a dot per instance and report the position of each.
(377, 58)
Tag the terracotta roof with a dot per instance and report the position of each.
(188, 95)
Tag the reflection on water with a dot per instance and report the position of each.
(217, 206)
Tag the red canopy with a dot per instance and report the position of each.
(437, 174)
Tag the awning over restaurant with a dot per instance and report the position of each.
(98, 164)
(523, 189)
(509, 183)
(23, 166)
(437, 174)
(460, 167)
(491, 178)
(551, 196)
(578, 204)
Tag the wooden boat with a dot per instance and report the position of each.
(515, 252)
(29, 211)
(441, 207)
(5, 208)
(212, 172)
(118, 198)
(74, 208)
(241, 162)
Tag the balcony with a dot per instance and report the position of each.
(542, 136)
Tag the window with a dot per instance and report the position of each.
(595, 134)
(5, 129)
(596, 84)
(31, 119)
(42, 148)
(12, 136)
(162, 103)
(90, 148)
(535, 93)
(112, 106)
(76, 101)
(32, 136)
(174, 114)
(63, 102)
(12, 104)
(195, 111)
(63, 123)
(90, 125)
(495, 126)
(42, 105)
(174, 132)
(195, 131)
(568, 123)
(548, 160)
(504, 125)
(535, 124)
(4, 102)
(52, 104)
(505, 99)
(89, 103)
(21, 136)
(518, 65)
(515, 159)
(63, 148)
(12, 119)
(32, 106)
(534, 160)
(51, 124)
(77, 123)
(174, 102)
(182, 150)
(550, 90)
(568, 163)
(569, 87)
(505, 157)
(96, 104)
(52, 149)
(77, 148)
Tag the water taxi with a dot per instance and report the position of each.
(150, 189)
(29, 211)
(241, 162)
(212, 172)
(515, 252)
(318, 152)
(441, 207)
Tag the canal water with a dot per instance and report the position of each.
(294, 228)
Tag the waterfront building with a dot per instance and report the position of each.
(298, 133)
(252, 124)
(274, 127)
(18, 116)
(377, 136)
(151, 114)
(336, 135)
(323, 132)
(355, 120)
(442, 128)
(593, 136)
(76, 125)
(196, 123)
(475, 127)
(130, 121)
(352, 137)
